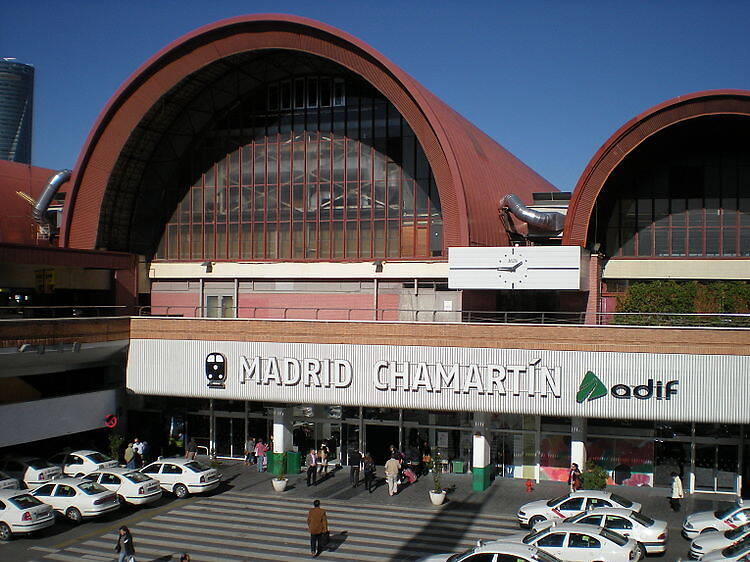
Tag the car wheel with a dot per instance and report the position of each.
(5, 534)
(536, 519)
(73, 514)
(640, 551)
(120, 499)
(180, 491)
(707, 530)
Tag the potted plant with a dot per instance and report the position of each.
(279, 482)
(437, 494)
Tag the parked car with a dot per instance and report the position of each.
(650, 533)
(29, 470)
(76, 498)
(503, 550)
(722, 519)
(716, 540)
(7, 481)
(80, 463)
(20, 512)
(130, 485)
(738, 552)
(583, 543)
(183, 476)
(570, 504)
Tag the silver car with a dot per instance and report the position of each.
(716, 540)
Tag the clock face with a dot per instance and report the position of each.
(512, 267)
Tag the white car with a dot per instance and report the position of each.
(7, 481)
(722, 519)
(502, 551)
(76, 498)
(570, 504)
(183, 476)
(738, 552)
(80, 463)
(716, 540)
(20, 512)
(31, 471)
(130, 485)
(650, 533)
(584, 543)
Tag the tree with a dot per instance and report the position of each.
(594, 477)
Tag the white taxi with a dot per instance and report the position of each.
(7, 481)
(80, 463)
(716, 540)
(77, 498)
(738, 552)
(183, 476)
(570, 504)
(650, 533)
(20, 512)
(31, 471)
(130, 485)
(584, 543)
(722, 519)
(501, 551)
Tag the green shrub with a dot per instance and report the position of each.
(594, 477)
(115, 442)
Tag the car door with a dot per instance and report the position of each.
(593, 503)
(171, 473)
(480, 557)
(569, 507)
(64, 496)
(110, 481)
(553, 543)
(44, 493)
(511, 558)
(74, 466)
(153, 470)
(619, 524)
(591, 520)
(583, 547)
(740, 517)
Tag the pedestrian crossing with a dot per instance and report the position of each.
(234, 526)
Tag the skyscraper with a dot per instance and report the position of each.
(16, 110)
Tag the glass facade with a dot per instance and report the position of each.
(319, 167)
(686, 192)
(16, 110)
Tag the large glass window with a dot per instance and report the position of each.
(686, 192)
(312, 167)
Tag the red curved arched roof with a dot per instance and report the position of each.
(471, 170)
(630, 136)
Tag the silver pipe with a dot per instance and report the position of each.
(39, 213)
(549, 221)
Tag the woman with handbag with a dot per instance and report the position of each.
(125, 547)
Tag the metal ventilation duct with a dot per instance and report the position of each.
(39, 213)
(547, 221)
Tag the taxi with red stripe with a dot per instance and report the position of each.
(723, 519)
(571, 504)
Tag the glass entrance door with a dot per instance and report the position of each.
(716, 467)
(230, 437)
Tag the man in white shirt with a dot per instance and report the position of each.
(311, 460)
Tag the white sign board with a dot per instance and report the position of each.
(518, 267)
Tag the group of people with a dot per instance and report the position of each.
(256, 452)
(317, 462)
(135, 453)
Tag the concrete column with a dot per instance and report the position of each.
(595, 289)
(481, 468)
(283, 420)
(578, 430)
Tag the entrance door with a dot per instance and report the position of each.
(716, 467)
(377, 440)
(230, 437)
(507, 453)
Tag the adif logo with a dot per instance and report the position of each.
(592, 387)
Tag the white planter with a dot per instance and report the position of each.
(279, 485)
(437, 498)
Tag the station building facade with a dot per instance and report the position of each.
(276, 169)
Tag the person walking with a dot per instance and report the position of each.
(125, 547)
(392, 467)
(249, 450)
(317, 524)
(191, 450)
(138, 450)
(311, 460)
(355, 463)
(574, 478)
(129, 456)
(677, 492)
(323, 453)
(368, 467)
(260, 455)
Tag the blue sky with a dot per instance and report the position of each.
(550, 81)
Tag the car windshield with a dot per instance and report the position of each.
(98, 458)
(616, 538)
(528, 539)
(722, 513)
(197, 466)
(458, 556)
(577, 518)
(738, 532)
(38, 464)
(25, 501)
(738, 548)
(137, 477)
(624, 502)
(642, 519)
(542, 556)
(555, 501)
(91, 488)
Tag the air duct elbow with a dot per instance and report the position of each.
(548, 221)
(39, 213)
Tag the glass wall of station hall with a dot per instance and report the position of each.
(312, 165)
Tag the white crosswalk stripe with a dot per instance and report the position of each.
(233, 526)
